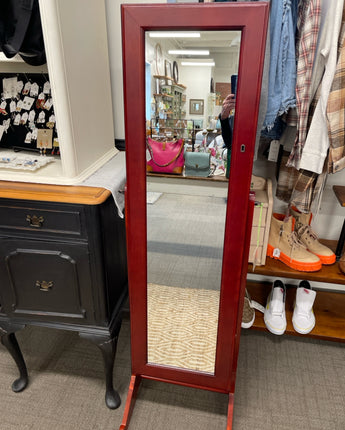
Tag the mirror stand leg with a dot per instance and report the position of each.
(8, 339)
(130, 402)
(107, 345)
(230, 411)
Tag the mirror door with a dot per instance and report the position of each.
(186, 213)
(181, 248)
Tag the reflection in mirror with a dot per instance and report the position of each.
(187, 79)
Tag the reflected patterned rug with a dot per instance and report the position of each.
(182, 327)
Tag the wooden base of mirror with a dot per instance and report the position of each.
(132, 396)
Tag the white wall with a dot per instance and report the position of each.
(227, 65)
(197, 81)
(115, 57)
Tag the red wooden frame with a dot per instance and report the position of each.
(251, 19)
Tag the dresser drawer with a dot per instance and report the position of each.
(43, 219)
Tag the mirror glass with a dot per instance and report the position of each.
(187, 78)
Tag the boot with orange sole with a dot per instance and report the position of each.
(309, 238)
(283, 245)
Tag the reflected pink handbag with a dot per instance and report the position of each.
(165, 157)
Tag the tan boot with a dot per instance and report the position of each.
(284, 245)
(308, 237)
(300, 217)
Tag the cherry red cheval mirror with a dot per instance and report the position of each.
(188, 246)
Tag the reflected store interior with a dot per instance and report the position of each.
(188, 75)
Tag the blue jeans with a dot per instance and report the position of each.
(282, 70)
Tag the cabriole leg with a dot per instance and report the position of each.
(107, 345)
(8, 339)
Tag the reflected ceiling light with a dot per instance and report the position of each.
(198, 63)
(173, 34)
(189, 52)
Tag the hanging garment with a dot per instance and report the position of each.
(21, 31)
(302, 188)
(287, 178)
(317, 142)
(282, 69)
(308, 190)
(336, 110)
(14, 21)
(264, 92)
(309, 186)
(227, 126)
(308, 25)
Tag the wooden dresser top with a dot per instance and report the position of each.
(53, 193)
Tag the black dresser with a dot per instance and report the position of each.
(62, 265)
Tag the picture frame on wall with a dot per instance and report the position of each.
(196, 106)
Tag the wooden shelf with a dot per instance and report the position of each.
(330, 274)
(163, 77)
(328, 309)
(169, 78)
(164, 95)
(329, 306)
(339, 191)
(216, 178)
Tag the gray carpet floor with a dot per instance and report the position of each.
(185, 241)
(283, 383)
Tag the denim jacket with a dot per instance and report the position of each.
(282, 70)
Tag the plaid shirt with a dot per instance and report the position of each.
(302, 189)
(287, 178)
(308, 25)
(307, 193)
(336, 110)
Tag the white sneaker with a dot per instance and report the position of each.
(274, 316)
(303, 318)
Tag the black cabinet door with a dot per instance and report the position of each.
(44, 280)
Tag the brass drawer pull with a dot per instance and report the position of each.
(44, 285)
(35, 221)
